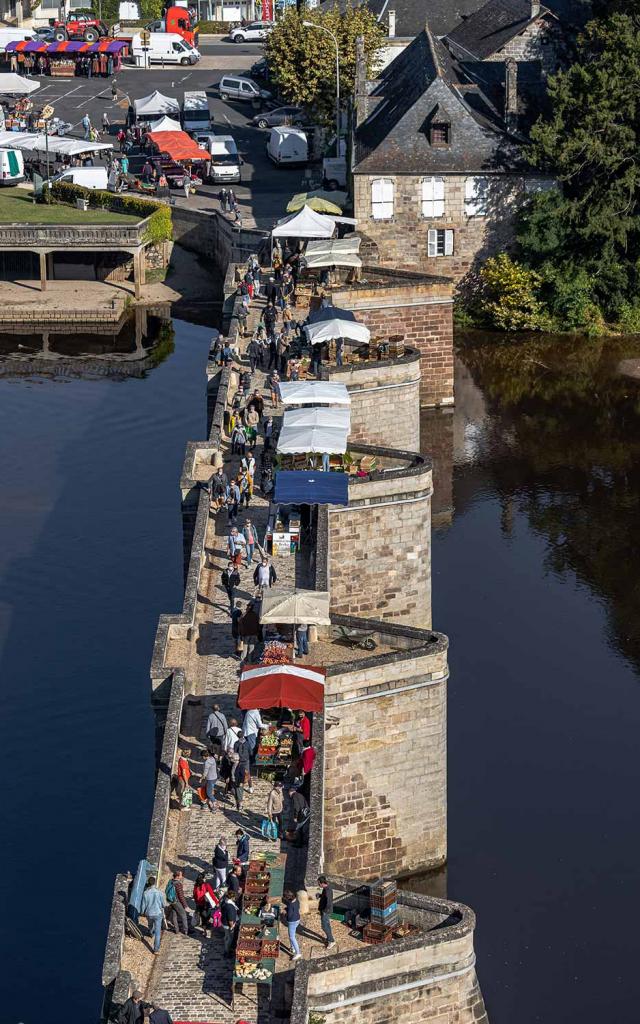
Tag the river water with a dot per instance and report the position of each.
(535, 580)
(534, 559)
(90, 554)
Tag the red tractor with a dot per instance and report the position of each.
(81, 27)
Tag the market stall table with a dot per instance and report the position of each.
(258, 945)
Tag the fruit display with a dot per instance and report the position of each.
(275, 653)
(248, 933)
(249, 972)
(270, 949)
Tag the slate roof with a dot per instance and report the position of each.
(425, 83)
(412, 15)
(490, 28)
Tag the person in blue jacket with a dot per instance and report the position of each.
(242, 847)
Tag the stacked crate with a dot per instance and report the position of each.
(383, 901)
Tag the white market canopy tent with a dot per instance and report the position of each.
(305, 224)
(155, 105)
(318, 440)
(16, 85)
(58, 145)
(337, 327)
(314, 392)
(309, 606)
(167, 124)
(336, 252)
(313, 417)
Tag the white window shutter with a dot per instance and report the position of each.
(427, 189)
(438, 188)
(432, 242)
(387, 190)
(376, 190)
(448, 243)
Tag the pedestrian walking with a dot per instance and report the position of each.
(152, 907)
(248, 532)
(233, 500)
(253, 351)
(268, 433)
(301, 813)
(234, 882)
(292, 920)
(205, 900)
(223, 197)
(114, 89)
(209, 779)
(218, 488)
(242, 847)
(274, 388)
(235, 546)
(275, 806)
(86, 125)
(178, 910)
(236, 615)
(186, 184)
(269, 318)
(238, 440)
(325, 907)
(183, 784)
(249, 630)
(302, 639)
(265, 575)
(230, 581)
(229, 923)
(133, 1008)
(252, 724)
(106, 123)
(220, 862)
(216, 727)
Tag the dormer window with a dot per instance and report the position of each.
(440, 133)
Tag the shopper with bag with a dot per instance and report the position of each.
(206, 901)
(275, 809)
(292, 920)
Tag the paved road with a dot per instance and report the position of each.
(265, 189)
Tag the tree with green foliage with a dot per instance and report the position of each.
(509, 296)
(302, 60)
(584, 238)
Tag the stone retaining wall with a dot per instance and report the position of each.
(385, 756)
(423, 977)
(379, 546)
(209, 233)
(385, 400)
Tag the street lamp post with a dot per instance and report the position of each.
(322, 28)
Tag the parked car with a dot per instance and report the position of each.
(236, 88)
(45, 34)
(254, 32)
(260, 70)
(281, 115)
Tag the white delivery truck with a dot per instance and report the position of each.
(11, 166)
(288, 146)
(14, 35)
(88, 177)
(225, 160)
(163, 48)
(195, 112)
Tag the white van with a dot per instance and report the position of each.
(195, 112)
(14, 35)
(288, 146)
(88, 177)
(165, 48)
(225, 159)
(11, 166)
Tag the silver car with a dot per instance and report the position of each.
(254, 32)
(237, 88)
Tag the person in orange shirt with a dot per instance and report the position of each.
(184, 775)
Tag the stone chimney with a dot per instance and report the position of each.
(392, 24)
(511, 94)
(360, 91)
(535, 8)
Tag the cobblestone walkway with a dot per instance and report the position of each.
(190, 977)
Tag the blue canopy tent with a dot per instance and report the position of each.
(310, 487)
(320, 316)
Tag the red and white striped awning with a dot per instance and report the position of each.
(282, 686)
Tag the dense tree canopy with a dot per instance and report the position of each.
(584, 238)
(302, 60)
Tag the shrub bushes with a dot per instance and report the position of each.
(159, 227)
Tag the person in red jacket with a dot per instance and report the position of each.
(203, 896)
(308, 758)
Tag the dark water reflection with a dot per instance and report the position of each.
(90, 554)
(535, 581)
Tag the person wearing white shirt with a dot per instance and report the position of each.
(251, 726)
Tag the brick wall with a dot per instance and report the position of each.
(385, 400)
(383, 755)
(379, 559)
(402, 240)
(423, 315)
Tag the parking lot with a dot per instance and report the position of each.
(264, 190)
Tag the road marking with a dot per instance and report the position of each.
(186, 76)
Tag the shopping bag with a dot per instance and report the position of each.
(202, 793)
(264, 828)
(187, 797)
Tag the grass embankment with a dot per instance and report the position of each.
(17, 207)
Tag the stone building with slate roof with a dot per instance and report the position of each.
(504, 29)
(438, 157)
